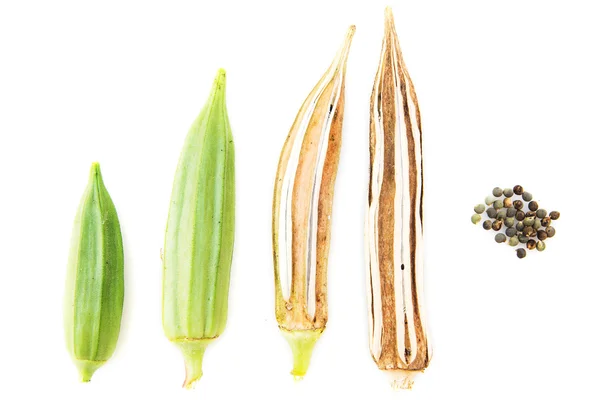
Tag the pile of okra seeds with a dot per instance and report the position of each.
(524, 221)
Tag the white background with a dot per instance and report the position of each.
(509, 93)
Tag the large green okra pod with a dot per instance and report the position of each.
(94, 289)
(199, 238)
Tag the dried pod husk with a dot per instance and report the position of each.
(394, 223)
(199, 237)
(95, 284)
(302, 209)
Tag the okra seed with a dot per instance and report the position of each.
(537, 224)
(522, 238)
(507, 202)
(518, 190)
(509, 222)
(497, 191)
(500, 238)
(497, 225)
(490, 200)
(520, 215)
(491, 212)
(527, 196)
(540, 246)
(501, 214)
(528, 231)
(518, 204)
(533, 205)
(554, 215)
(531, 244)
(498, 204)
(475, 218)
(487, 225)
(508, 192)
(542, 235)
(479, 208)
(546, 221)
(510, 232)
(521, 253)
(541, 213)
(530, 214)
(529, 221)
(513, 241)
(520, 226)
(511, 212)
(550, 231)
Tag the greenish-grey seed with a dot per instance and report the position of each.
(520, 215)
(541, 213)
(490, 200)
(500, 238)
(554, 215)
(513, 241)
(537, 224)
(540, 246)
(550, 231)
(497, 191)
(508, 192)
(501, 214)
(522, 238)
(497, 225)
(510, 232)
(509, 222)
(487, 225)
(521, 253)
(533, 205)
(527, 196)
(511, 212)
(529, 221)
(520, 226)
(518, 204)
(531, 244)
(475, 218)
(479, 208)
(491, 212)
(518, 189)
(498, 204)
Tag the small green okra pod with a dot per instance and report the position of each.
(199, 237)
(95, 284)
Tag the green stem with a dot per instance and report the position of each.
(302, 343)
(193, 353)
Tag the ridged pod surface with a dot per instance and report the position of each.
(95, 284)
(394, 223)
(200, 232)
(302, 207)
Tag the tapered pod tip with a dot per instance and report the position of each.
(302, 343)
(193, 354)
(389, 18)
(220, 79)
(95, 171)
(87, 368)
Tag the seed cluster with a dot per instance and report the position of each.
(523, 219)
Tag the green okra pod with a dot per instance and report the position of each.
(95, 284)
(199, 237)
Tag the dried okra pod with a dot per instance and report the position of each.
(94, 288)
(302, 205)
(199, 237)
(398, 336)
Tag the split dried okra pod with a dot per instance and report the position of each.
(199, 238)
(394, 223)
(302, 205)
(94, 288)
